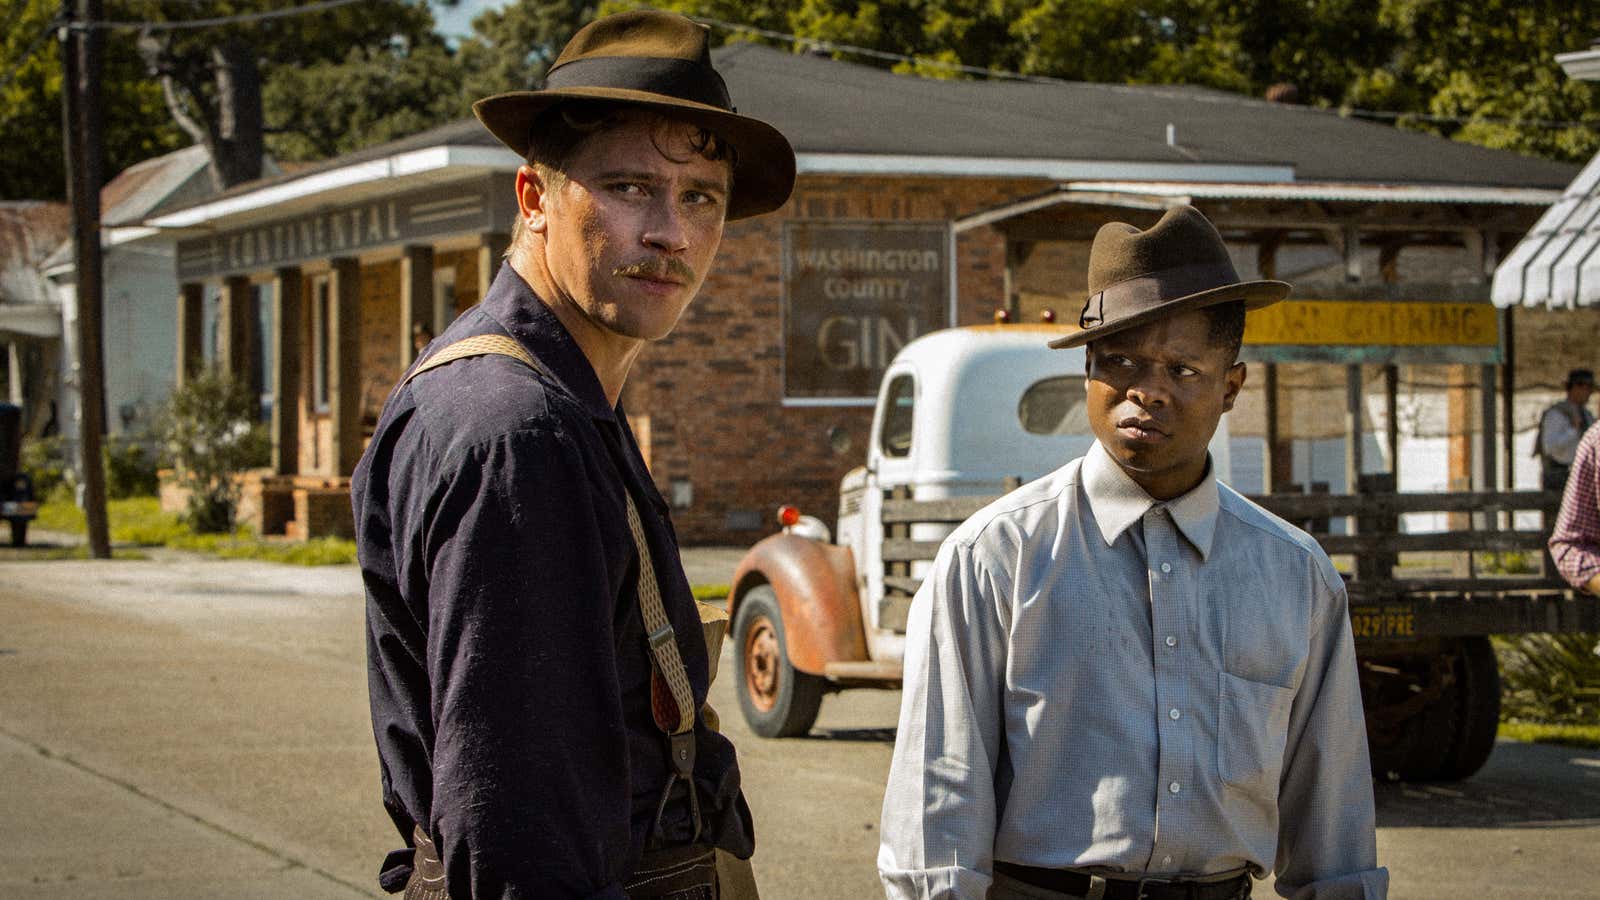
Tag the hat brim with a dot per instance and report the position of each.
(763, 170)
(1255, 295)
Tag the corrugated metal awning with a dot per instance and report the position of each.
(1557, 264)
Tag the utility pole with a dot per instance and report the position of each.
(81, 60)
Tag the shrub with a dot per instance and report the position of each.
(213, 436)
(130, 468)
(1550, 678)
(45, 461)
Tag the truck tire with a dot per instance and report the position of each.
(1477, 708)
(777, 700)
(19, 532)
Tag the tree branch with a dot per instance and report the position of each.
(176, 106)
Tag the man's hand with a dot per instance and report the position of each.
(1592, 585)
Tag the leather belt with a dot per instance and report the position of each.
(1082, 884)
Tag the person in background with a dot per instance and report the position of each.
(1560, 427)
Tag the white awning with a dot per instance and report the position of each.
(38, 320)
(1557, 264)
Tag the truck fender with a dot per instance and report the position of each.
(816, 588)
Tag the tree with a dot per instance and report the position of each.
(30, 105)
(511, 47)
(213, 78)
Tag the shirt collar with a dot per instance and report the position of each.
(1117, 501)
(513, 304)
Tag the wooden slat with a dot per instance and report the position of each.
(1296, 507)
(1398, 587)
(1438, 542)
(908, 549)
(905, 584)
(954, 509)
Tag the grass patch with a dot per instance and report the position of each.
(51, 554)
(1584, 736)
(710, 593)
(140, 521)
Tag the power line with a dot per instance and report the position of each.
(1004, 74)
(242, 18)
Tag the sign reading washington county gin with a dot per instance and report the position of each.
(853, 294)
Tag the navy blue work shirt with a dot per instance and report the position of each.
(507, 662)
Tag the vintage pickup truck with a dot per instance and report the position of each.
(968, 413)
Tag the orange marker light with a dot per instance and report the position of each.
(789, 516)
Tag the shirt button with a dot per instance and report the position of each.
(1173, 714)
(1174, 787)
(1172, 641)
(1166, 568)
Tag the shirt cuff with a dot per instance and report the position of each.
(1369, 884)
(943, 883)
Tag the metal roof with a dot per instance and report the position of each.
(1557, 264)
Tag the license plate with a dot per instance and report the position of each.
(1383, 621)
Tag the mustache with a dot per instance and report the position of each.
(665, 268)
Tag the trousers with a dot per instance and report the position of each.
(681, 873)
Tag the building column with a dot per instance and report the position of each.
(491, 250)
(287, 304)
(344, 363)
(416, 297)
(191, 315)
(14, 373)
(238, 325)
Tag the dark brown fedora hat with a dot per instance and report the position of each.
(660, 61)
(1178, 264)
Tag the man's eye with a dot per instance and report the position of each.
(1183, 372)
(628, 188)
(700, 198)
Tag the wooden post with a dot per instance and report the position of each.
(14, 374)
(1273, 465)
(1352, 427)
(416, 297)
(1489, 437)
(344, 363)
(1391, 410)
(491, 249)
(1508, 388)
(1017, 253)
(237, 325)
(287, 305)
(191, 317)
(82, 62)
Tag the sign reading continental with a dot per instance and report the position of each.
(853, 294)
(1374, 323)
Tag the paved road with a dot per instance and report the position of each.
(197, 729)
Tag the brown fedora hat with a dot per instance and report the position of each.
(661, 61)
(1178, 264)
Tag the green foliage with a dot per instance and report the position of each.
(1550, 678)
(511, 47)
(130, 466)
(213, 436)
(140, 521)
(1585, 736)
(45, 461)
(711, 593)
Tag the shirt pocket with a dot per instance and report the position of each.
(1252, 732)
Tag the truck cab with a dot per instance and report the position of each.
(961, 413)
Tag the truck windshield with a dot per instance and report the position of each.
(1054, 406)
(896, 437)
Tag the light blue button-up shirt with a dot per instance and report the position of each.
(1093, 678)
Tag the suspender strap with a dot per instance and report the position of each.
(671, 698)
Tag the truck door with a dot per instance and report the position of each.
(891, 460)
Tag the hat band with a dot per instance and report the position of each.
(1146, 292)
(678, 79)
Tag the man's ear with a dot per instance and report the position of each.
(532, 194)
(1235, 381)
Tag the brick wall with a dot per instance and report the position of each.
(713, 390)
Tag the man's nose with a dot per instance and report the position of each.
(665, 229)
(1149, 389)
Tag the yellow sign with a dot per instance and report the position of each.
(1374, 323)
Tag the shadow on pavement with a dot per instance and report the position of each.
(1523, 785)
(853, 735)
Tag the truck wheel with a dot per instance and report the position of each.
(19, 532)
(1477, 708)
(776, 700)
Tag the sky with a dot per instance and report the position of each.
(457, 22)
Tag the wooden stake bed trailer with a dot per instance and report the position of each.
(1429, 679)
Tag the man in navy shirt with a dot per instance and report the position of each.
(509, 667)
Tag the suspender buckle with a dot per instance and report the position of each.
(661, 637)
(680, 753)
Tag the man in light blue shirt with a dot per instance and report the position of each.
(1125, 680)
